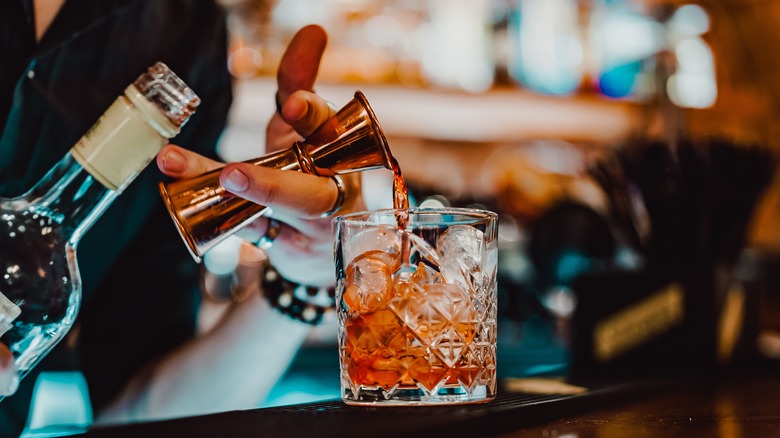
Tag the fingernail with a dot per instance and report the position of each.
(236, 181)
(173, 161)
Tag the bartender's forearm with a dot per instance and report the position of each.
(232, 367)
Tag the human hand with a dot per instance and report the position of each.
(9, 379)
(303, 249)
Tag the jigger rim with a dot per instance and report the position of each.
(371, 217)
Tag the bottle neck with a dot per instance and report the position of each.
(108, 157)
(72, 197)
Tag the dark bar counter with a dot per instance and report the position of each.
(508, 412)
(680, 407)
(736, 408)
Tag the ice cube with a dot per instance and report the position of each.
(461, 248)
(425, 275)
(382, 238)
(369, 282)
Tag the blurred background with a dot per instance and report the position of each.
(543, 110)
(510, 105)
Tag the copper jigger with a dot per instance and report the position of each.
(205, 213)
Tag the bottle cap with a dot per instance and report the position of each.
(175, 99)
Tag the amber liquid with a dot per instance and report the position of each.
(400, 194)
(401, 207)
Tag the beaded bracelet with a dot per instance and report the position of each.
(304, 303)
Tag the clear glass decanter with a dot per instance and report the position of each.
(40, 286)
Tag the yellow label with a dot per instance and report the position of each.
(119, 146)
(638, 323)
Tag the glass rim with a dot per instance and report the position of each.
(360, 216)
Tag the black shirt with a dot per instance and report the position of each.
(139, 283)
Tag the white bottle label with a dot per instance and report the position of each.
(8, 313)
(119, 146)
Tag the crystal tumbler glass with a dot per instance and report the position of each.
(416, 294)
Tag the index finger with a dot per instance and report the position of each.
(301, 61)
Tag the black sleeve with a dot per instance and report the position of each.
(145, 308)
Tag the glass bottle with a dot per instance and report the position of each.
(40, 286)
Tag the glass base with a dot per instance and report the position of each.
(416, 397)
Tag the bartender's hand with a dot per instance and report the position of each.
(8, 377)
(303, 249)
